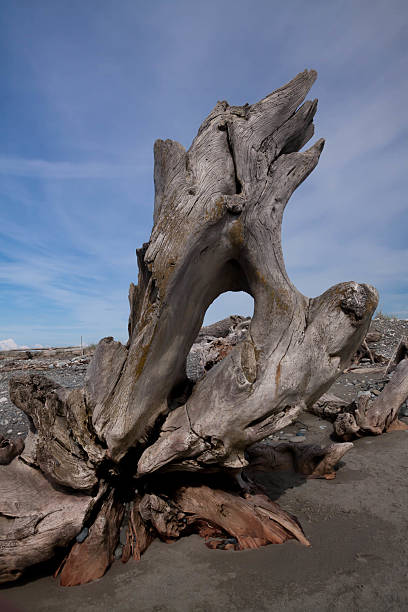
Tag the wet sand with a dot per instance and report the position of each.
(358, 560)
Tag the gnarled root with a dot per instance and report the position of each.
(237, 523)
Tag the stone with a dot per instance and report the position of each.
(403, 411)
(82, 535)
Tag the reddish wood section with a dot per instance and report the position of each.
(90, 559)
(239, 522)
(139, 535)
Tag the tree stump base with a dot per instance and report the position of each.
(129, 435)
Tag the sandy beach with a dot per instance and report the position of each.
(358, 558)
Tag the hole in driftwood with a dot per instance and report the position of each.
(237, 302)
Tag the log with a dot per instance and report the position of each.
(400, 353)
(328, 406)
(217, 227)
(367, 416)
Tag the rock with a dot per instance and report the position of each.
(373, 336)
(82, 535)
(403, 412)
(123, 535)
(118, 552)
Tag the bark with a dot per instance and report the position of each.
(217, 227)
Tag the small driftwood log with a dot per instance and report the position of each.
(368, 416)
(400, 353)
(217, 227)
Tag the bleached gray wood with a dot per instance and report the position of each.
(36, 520)
(377, 416)
(217, 227)
(218, 215)
(62, 444)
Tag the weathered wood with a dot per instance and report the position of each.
(251, 522)
(217, 227)
(367, 416)
(218, 214)
(62, 444)
(89, 560)
(139, 534)
(400, 353)
(10, 449)
(328, 406)
(36, 520)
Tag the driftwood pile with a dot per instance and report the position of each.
(146, 449)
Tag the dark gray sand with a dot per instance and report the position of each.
(357, 525)
(358, 561)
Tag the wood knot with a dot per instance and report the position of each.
(234, 203)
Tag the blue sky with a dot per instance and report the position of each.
(87, 87)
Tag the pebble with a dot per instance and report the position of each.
(3, 399)
(82, 535)
(118, 551)
(9, 431)
(122, 538)
(230, 541)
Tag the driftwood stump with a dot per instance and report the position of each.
(138, 446)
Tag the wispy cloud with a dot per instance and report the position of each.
(38, 168)
(88, 91)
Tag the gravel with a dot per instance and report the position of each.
(70, 373)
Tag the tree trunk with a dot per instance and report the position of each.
(217, 227)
